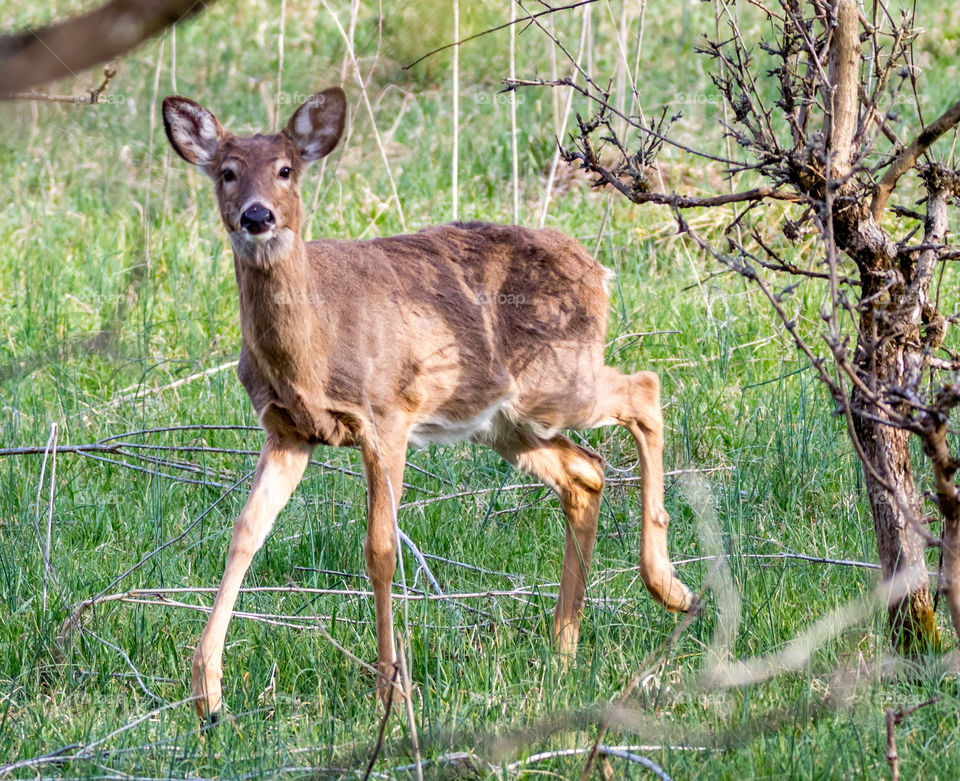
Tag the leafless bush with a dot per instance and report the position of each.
(806, 124)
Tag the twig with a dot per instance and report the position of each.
(342, 649)
(894, 718)
(455, 100)
(358, 75)
(53, 485)
(131, 394)
(53, 757)
(892, 757)
(130, 664)
(315, 622)
(630, 120)
(787, 556)
(514, 147)
(408, 707)
(383, 726)
(909, 156)
(51, 452)
(152, 472)
(172, 541)
(73, 620)
(469, 761)
(87, 98)
(548, 188)
(694, 202)
(408, 595)
(110, 446)
(499, 27)
(420, 559)
(280, 41)
(584, 49)
(627, 753)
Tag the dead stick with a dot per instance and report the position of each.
(383, 726)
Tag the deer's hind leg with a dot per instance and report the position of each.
(633, 401)
(576, 475)
(383, 463)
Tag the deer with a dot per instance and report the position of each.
(467, 331)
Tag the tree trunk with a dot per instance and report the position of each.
(948, 497)
(913, 625)
(889, 345)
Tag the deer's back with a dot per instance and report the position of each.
(516, 284)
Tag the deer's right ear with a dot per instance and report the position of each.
(193, 131)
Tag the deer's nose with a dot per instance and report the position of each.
(257, 219)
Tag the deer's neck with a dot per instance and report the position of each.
(281, 315)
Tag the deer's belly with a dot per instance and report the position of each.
(442, 430)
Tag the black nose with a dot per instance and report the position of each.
(257, 219)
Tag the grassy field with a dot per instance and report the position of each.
(118, 314)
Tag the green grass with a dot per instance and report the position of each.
(96, 317)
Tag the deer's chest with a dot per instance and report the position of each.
(290, 405)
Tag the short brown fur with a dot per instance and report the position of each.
(490, 332)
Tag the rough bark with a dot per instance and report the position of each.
(913, 625)
(892, 353)
(948, 499)
(888, 341)
(845, 81)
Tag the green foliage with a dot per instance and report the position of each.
(101, 307)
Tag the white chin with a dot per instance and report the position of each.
(262, 249)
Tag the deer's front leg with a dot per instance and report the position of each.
(383, 463)
(281, 465)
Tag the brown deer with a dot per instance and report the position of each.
(473, 331)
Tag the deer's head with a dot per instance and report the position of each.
(257, 177)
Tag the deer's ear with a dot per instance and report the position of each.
(316, 126)
(193, 131)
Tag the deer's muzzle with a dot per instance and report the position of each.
(257, 220)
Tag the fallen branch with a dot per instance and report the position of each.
(621, 752)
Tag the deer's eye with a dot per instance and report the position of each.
(227, 175)
(285, 172)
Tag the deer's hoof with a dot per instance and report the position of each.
(206, 688)
(389, 689)
(664, 586)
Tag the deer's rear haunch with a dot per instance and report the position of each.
(467, 331)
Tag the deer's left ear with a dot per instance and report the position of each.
(192, 130)
(317, 125)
